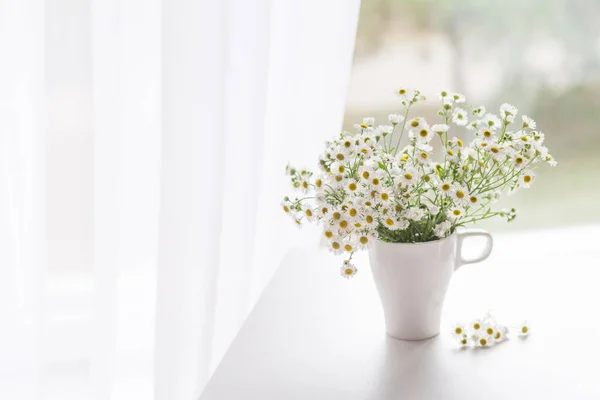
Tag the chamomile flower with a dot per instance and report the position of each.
(365, 150)
(446, 187)
(456, 141)
(422, 157)
(409, 177)
(385, 196)
(363, 242)
(508, 112)
(459, 194)
(417, 124)
(476, 326)
(285, 205)
(501, 333)
(485, 341)
(458, 98)
(440, 129)
(385, 129)
(455, 213)
(406, 95)
(519, 161)
(524, 329)
(458, 330)
(369, 121)
(390, 223)
(308, 212)
(424, 134)
(526, 178)
(395, 119)
(487, 134)
(489, 329)
(336, 246)
(528, 122)
(348, 270)
(369, 220)
(444, 94)
(460, 117)
(463, 340)
(491, 121)
(352, 186)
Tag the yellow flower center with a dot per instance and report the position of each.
(487, 134)
(363, 240)
(424, 155)
(366, 174)
(426, 178)
(328, 234)
(352, 186)
(369, 219)
(357, 225)
(483, 341)
(318, 183)
(308, 212)
(347, 143)
(527, 179)
(385, 196)
(408, 176)
(286, 209)
(450, 152)
(335, 245)
(337, 215)
(389, 222)
(339, 178)
(484, 144)
(352, 212)
(519, 160)
(460, 194)
(348, 248)
(343, 224)
(414, 123)
(489, 331)
(305, 185)
(402, 91)
(473, 199)
(348, 271)
(524, 138)
(368, 203)
(324, 210)
(524, 329)
(445, 187)
(423, 133)
(476, 326)
(340, 156)
(463, 341)
(456, 213)
(494, 149)
(459, 142)
(404, 157)
(341, 169)
(375, 181)
(458, 330)
(364, 126)
(498, 335)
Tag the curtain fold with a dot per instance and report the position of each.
(142, 146)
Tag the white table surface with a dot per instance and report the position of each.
(314, 335)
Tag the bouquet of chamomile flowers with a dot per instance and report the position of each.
(408, 181)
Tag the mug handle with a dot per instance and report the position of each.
(461, 236)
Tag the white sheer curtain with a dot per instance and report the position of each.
(142, 146)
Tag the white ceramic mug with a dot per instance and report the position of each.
(412, 279)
